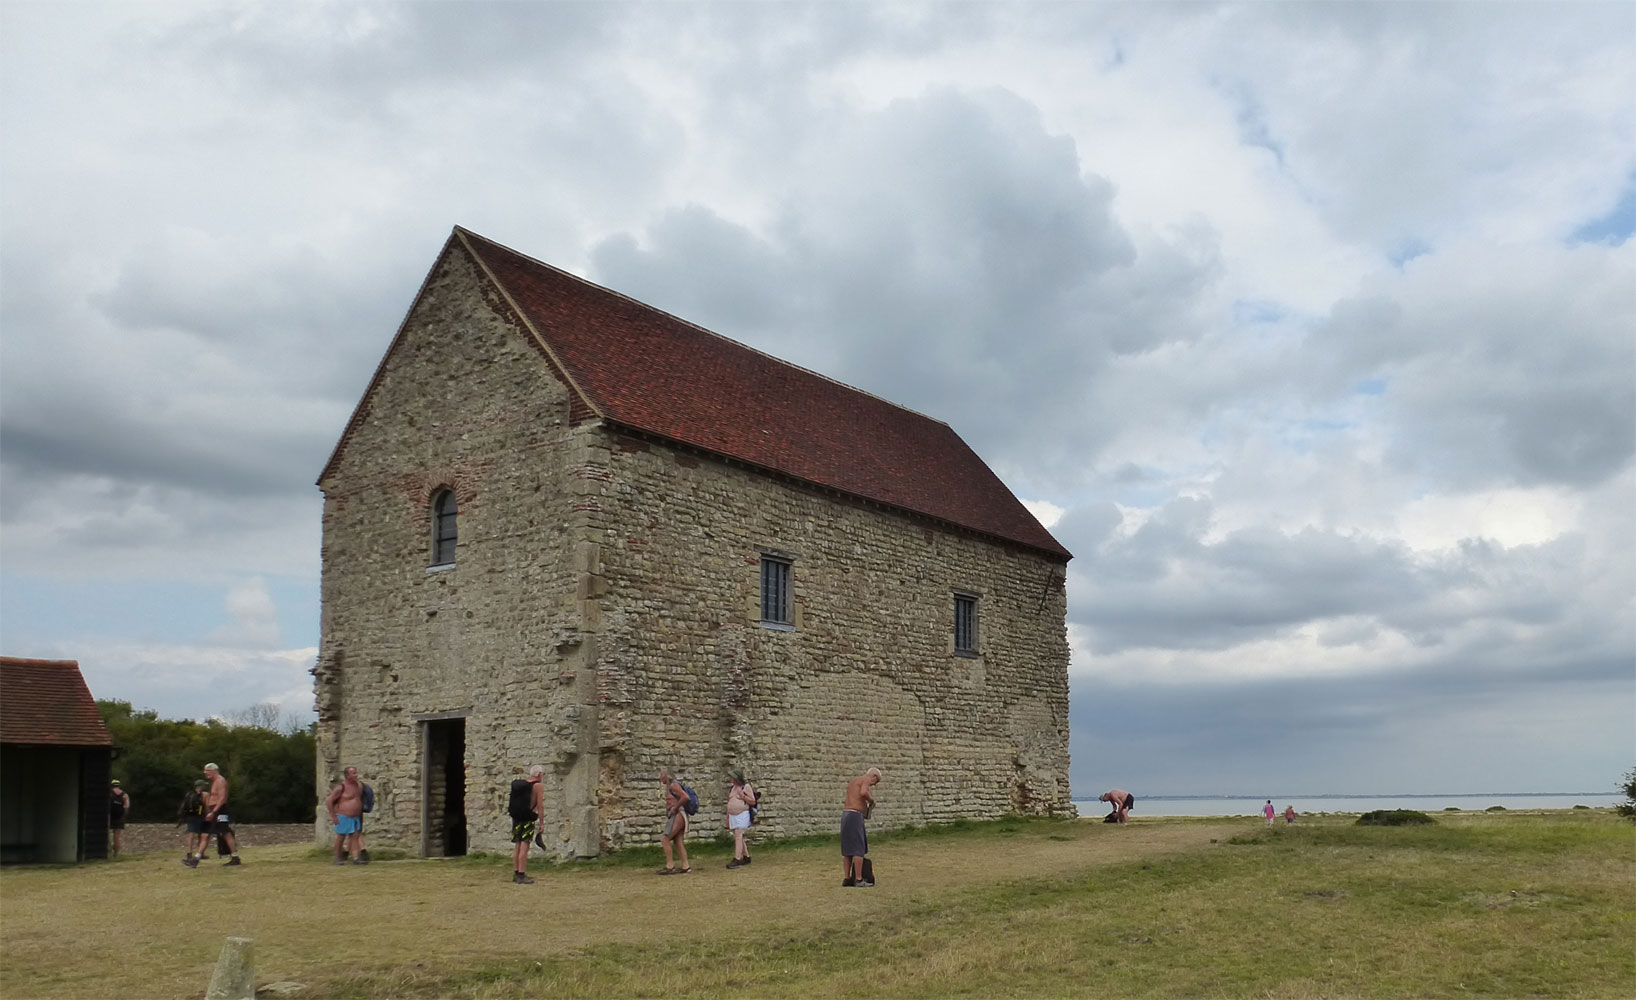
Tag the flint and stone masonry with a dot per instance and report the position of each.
(602, 617)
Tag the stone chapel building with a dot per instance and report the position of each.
(564, 527)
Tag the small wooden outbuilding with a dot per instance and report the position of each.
(55, 760)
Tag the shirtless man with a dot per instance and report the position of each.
(192, 814)
(854, 841)
(675, 823)
(1120, 801)
(345, 805)
(216, 820)
(525, 828)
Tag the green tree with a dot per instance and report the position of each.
(1627, 808)
(270, 772)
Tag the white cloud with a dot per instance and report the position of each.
(253, 617)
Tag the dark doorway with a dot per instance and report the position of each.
(445, 829)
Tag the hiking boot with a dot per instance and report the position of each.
(519, 878)
(340, 859)
(866, 885)
(191, 862)
(232, 861)
(744, 860)
(362, 858)
(735, 863)
(848, 883)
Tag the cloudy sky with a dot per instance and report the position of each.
(1310, 329)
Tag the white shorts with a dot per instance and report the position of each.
(738, 821)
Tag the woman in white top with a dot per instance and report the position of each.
(741, 798)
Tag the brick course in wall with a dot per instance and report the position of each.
(602, 616)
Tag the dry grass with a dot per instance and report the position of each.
(1506, 905)
(148, 927)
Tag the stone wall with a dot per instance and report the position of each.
(690, 678)
(463, 400)
(602, 617)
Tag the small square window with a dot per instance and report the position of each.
(965, 624)
(775, 592)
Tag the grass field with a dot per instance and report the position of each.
(1481, 905)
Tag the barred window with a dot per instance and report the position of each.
(965, 624)
(443, 528)
(775, 592)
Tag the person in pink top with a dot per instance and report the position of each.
(1269, 812)
(741, 800)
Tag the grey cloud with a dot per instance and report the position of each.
(347, 54)
(945, 248)
(1522, 609)
(1497, 381)
(1165, 587)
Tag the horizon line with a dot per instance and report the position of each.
(1370, 795)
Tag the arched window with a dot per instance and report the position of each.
(443, 528)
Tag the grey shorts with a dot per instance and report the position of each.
(854, 841)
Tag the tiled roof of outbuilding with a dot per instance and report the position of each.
(650, 371)
(46, 702)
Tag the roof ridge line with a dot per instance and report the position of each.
(702, 329)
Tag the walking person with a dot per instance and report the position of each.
(854, 838)
(741, 801)
(1269, 812)
(526, 807)
(345, 805)
(192, 815)
(676, 802)
(216, 818)
(119, 804)
(1289, 815)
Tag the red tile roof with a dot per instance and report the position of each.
(647, 370)
(47, 702)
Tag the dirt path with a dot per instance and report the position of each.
(164, 923)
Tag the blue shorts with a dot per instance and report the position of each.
(348, 824)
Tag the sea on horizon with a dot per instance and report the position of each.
(1250, 805)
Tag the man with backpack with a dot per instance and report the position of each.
(526, 806)
(680, 803)
(345, 805)
(192, 815)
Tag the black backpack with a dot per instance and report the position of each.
(193, 803)
(521, 806)
(368, 799)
